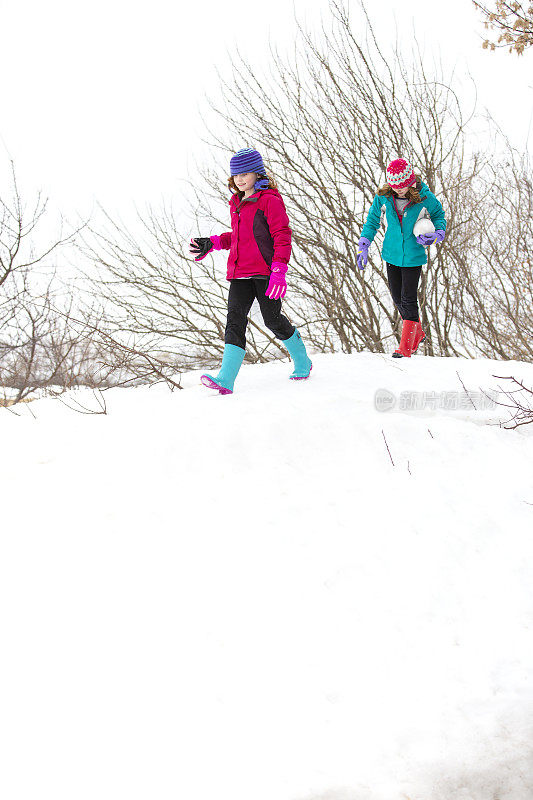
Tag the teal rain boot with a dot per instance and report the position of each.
(231, 364)
(298, 353)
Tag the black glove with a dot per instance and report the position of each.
(200, 247)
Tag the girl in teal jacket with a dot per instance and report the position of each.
(401, 204)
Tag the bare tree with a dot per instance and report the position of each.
(160, 306)
(513, 21)
(493, 274)
(328, 121)
(37, 346)
(519, 399)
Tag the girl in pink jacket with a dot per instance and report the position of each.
(259, 247)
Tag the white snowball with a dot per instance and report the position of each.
(423, 225)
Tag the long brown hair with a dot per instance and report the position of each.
(233, 187)
(413, 193)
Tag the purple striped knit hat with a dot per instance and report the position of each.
(248, 160)
(400, 174)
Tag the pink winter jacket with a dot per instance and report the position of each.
(260, 234)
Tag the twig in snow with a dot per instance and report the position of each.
(81, 409)
(430, 434)
(383, 432)
(11, 410)
(522, 407)
(466, 391)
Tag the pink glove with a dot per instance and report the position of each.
(277, 285)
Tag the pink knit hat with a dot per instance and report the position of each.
(400, 174)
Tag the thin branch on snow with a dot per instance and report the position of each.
(387, 446)
(466, 390)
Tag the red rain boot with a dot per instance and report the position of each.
(419, 336)
(409, 330)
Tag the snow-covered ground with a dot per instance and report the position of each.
(244, 598)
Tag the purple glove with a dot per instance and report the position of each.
(428, 238)
(277, 285)
(362, 253)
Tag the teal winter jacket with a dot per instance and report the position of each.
(400, 246)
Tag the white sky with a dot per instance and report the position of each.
(100, 100)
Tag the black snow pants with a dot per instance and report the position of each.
(242, 293)
(403, 285)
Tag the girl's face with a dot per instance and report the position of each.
(244, 181)
(402, 192)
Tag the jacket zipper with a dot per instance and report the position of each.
(237, 242)
(238, 212)
(400, 216)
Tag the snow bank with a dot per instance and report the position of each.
(282, 594)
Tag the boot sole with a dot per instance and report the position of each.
(301, 378)
(210, 383)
